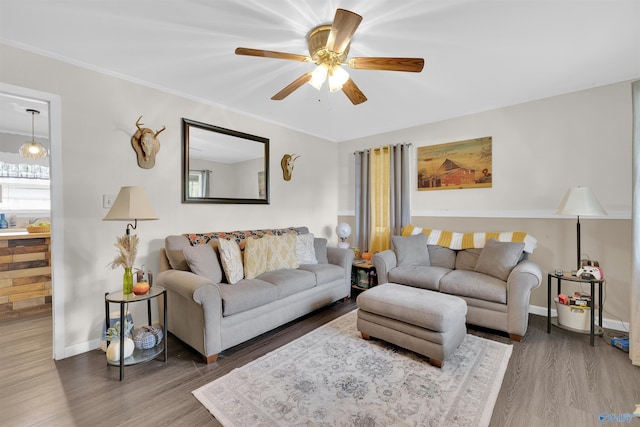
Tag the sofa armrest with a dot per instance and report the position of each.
(383, 262)
(524, 277)
(195, 310)
(342, 258)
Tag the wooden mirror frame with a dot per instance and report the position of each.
(225, 136)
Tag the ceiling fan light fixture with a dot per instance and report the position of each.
(338, 76)
(33, 149)
(318, 76)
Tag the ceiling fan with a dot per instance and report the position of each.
(328, 49)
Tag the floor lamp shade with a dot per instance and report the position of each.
(131, 204)
(580, 201)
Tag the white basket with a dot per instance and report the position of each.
(574, 317)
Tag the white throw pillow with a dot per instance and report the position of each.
(231, 259)
(305, 251)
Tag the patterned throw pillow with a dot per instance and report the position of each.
(255, 257)
(282, 252)
(305, 251)
(231, 259)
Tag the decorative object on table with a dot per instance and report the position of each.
(580, 201)
(287, 165)
(113, 336)
(147, 337)
(114, 317)
(356, 253)
(33, 149)
(455, 165)
(146, 145)
(131, 203)
(366, 256)
(41, 227)
(376, 383)
(343, 230)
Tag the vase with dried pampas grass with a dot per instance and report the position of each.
(127, 248)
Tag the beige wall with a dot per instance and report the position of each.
(97, 120)
(540, 150)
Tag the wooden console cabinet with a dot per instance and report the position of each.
(25, 274)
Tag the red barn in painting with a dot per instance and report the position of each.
(450, 173)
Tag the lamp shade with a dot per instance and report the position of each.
(343, 230)
(132, 203)
(580, 201)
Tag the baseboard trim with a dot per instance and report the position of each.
(616, 325)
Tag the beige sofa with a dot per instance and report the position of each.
(210, 314)
(495, 281)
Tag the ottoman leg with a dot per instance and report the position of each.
(435, 362)
(365, 336)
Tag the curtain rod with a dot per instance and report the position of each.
(377, 148)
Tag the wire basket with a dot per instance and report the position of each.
(38, 228)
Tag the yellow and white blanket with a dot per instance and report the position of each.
(454, 240)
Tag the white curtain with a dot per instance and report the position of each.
(634, 327)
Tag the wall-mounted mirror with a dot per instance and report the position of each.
(223, 166)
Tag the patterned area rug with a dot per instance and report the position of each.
(333, 377)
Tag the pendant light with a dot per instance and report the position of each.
(32, 149)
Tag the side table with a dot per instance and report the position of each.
(139, 355)
(365, 270)
(594, 330)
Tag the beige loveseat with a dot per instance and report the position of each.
(495, 281)
(210, 313)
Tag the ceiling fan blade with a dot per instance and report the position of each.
(343, 28)
(271, 54)
(353, 92)
(291, 87)
(413, 65)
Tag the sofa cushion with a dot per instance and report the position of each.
(282, 252)
(305, 251)
(418, 276)
(411, 250)
(255, 257)
(467, 259)
(289, 281)
(498, 258)
(474, 285)
(173, 246)
(231, 260)
(320, 247)
(202, 260)
(245, 295)
(442, 257)
(325, 273)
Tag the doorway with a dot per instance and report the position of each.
(53, 104)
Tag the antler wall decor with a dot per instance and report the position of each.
(146, 145)
(287, 165)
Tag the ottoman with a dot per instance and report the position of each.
(426, 322)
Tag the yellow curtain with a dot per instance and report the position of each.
(380, 176)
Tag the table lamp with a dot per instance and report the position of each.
(343, 230)
(131, 204)
(580, 201)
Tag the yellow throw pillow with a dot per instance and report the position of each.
(255, 257)
(282, 252)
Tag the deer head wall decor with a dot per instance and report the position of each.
(287, 165)
(146, 145)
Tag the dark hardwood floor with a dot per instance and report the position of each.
(552, 380)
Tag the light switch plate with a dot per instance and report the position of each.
(107, 200)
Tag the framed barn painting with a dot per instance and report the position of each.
(455, 165)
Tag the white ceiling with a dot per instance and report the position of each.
(479, 54)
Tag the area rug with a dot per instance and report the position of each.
(333, 377)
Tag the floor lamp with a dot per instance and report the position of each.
(580, 201)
